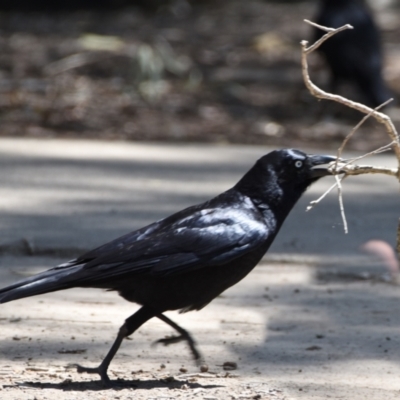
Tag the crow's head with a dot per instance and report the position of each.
(294, 167)
(281, 177)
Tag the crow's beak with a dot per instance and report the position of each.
(317, 160)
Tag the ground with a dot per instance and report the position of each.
(223, 71)
(293, 332)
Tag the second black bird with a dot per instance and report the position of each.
(184, 261)
(353, 55)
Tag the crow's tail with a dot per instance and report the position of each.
(49, 281)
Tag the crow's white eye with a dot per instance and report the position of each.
(298, 164)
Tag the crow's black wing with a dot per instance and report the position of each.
(207, 237)
(202, 238)
(212, 233)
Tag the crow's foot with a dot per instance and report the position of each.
(97, 370)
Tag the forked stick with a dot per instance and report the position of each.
(348, 168)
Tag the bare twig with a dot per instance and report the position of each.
(331, 32)
(353, 131)
(341, 204)
(348, 168)
(380, 150)
(315, 202)
(320, 94)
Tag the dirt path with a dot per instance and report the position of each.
(295, 332)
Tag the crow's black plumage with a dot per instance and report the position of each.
(353, 55)
(184, 261)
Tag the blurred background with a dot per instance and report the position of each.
(220, 71)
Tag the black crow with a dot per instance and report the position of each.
(184, 261)
(353, 55)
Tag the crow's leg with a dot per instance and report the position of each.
(184, 335)
(130, 326)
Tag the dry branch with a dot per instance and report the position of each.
(352, 169)
(321, 94)
(347, 167)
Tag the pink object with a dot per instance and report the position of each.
(385, 252)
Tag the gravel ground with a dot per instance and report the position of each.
(293, 331)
